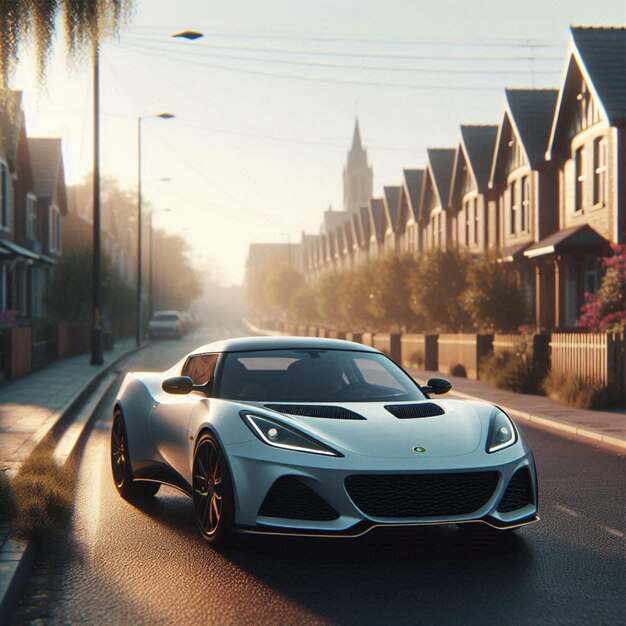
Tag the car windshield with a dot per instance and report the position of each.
(310, 375)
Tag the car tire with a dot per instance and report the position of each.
(121, 468)
(213, 499)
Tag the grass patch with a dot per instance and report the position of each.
(7, 497)
(511, 372)
(580, 393)
(43, 496)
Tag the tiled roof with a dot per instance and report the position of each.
(441, 161)
(532, 111)
(392, 204)
(479, 143)
(603, 52)
(45, 156)
(413, 184)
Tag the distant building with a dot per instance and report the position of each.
(358, 179)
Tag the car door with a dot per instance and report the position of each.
(170, 416)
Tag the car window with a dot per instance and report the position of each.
(200, 368)
(314, 376)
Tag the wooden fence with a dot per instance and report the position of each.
(537, 348)
(596, 357)
(389, 343)
(420, 351)
(460, 354)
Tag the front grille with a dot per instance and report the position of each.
(289, 498)
(518, 494)
(421, 495)
(310, 410)
(410, 411)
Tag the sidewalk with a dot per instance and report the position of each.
(31, 406)
(604, 428)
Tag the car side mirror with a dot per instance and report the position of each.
(437, 386)
(178, 384)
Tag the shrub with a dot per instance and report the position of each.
(44, 497)
(511, 372)
(579, 393)
(458, 370)
(417, 359)
(7, 497)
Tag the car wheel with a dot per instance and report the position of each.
(213, 499)
(121, 467)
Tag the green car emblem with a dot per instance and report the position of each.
(419, 450)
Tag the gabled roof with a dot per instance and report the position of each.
(392, 205)
(440, 161)
(600, 54)
(478, 143)
(413, 186)
(377, 218)
(45, 155)
(532, 111)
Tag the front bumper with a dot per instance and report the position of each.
(255, 470)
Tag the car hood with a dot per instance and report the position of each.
(458, 431)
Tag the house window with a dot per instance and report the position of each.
(4, 195)
(525, 212)
(467, 223)
(580, 177)
(599, 172)
(591, 275)
(514, 207)
(476, 226)
(54, 229)
(31, 217)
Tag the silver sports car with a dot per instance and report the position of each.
(308, 436)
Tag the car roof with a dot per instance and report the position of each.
(245, 344)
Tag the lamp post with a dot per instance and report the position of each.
(163, 116)
(151, 279)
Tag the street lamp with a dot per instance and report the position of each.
(163, 116)
(151, 279)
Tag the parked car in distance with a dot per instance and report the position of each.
(166, 324)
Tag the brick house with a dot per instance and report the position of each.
(521, 210)
(435, 217)
(469, 193)
(586, 149)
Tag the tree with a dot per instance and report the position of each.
(354, 296)
(84, 22)
(329, 288)
(494, 297)
(605, 310)
(390, 299)
(303, 305)
(435, 290)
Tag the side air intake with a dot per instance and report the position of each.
(310, 410)
(412, 411)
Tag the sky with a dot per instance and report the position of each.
(266, 101)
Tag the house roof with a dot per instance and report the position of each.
(377, 215)
(531, 112)
(263, 252)
(46, 158)
(364, 224)
(333, 219)
(602, 51)
(413, 185)
(479, 143)
(392, 205)
(569, 240)
(440, 161)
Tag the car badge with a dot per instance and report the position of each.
(419, 450)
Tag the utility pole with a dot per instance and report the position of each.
(97, 357)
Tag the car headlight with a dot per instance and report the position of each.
(502, 433)
(279, 435)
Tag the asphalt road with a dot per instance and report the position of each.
(122, 564)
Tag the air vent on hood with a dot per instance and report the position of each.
(411, 411)
(310, 410)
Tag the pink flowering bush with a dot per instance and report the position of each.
(605, 310)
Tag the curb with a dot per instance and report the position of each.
(585, 435)
(17, 557)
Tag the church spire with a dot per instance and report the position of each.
(356, 139)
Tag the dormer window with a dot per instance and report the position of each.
(31, 216)
(525, 212)
(579, 172)
(599, 172)
(54, 229)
